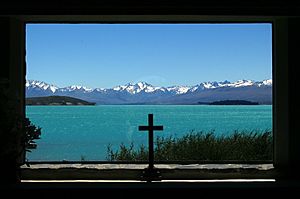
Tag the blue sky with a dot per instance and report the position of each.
(107, 55)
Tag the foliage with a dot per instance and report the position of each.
(127, 153)
(14, 129)
(31, 133)
(202, 146)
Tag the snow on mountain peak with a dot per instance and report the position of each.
(209, 85)
(41, 85)
(242, 83)
(143, 86)
(267, 82)
(136, 88)
(179, 89)
(77, 88)
(100, 89)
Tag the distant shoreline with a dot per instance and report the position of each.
(146, 105)
(233, 102)
(71, 101)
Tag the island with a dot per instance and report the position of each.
(56, 101)
(233, 102)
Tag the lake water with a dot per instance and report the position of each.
(75, 132)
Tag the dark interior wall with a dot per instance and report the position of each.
(12, 59)
(281, 93)
(12, 112)
(13, 44)
(293, 79)
(4, 56)
(286, 58)
(187, 7)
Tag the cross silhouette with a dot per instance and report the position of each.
(150, 172)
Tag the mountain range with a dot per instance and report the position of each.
(144, 93)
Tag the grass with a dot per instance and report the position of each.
(238, 146)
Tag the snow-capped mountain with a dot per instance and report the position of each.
(76, 88)
(144, 93)
(137, 88)
(41, 85)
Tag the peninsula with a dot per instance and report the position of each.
(56, 101)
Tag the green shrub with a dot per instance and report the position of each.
(201, 146)
(31, 133)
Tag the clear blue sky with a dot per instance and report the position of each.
(97, 55)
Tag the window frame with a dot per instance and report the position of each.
(279, 74)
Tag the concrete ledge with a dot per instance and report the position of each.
(142, 166)
(134, 171)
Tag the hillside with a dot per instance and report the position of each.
(56, 100)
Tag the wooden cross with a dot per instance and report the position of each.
(150, 128)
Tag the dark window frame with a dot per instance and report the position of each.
(279, 74)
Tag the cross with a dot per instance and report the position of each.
(150, 128)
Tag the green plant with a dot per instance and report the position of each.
(16, 132)
(240, 146)
(16, 135)
(31, 133)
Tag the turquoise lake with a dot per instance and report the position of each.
(76, 132)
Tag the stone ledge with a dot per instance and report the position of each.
(143, 166)
(134, 171)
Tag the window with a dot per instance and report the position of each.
(279, 156)
(210, 85)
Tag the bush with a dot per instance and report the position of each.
(14, 128)
(199, 146)
(31, 133)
